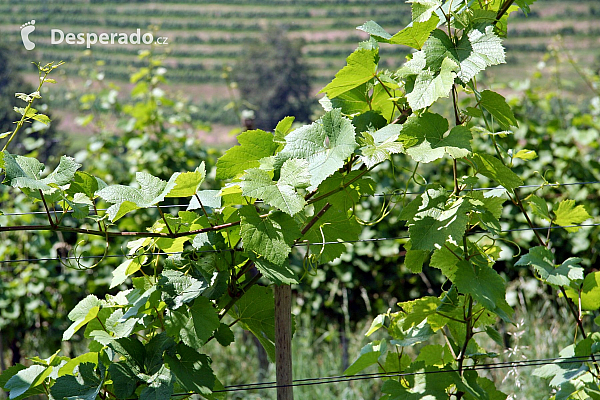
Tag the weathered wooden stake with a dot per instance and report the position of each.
(283, 341)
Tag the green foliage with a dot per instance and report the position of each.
(305, 188)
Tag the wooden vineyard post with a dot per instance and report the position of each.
(283, 341)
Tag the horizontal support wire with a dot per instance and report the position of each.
(370, 240)
(344, 378)
(400, 193)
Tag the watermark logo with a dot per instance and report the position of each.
(89, 39)
(57, 36)
(26, 30)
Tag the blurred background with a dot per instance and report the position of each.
(244, 64)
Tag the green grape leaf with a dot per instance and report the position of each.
(561, 371)
(569, 273)
(416, 334)
(420, 387)
(84, 312)
(369, 355)
(278, 274)
(436, 50)
(347, 198)
(124, 379)
(414, 260)
(569, 214)
(154, 351)
(160, 386)
(187, 183)
(41, 118)
(491, 167)
(325, 145)
(524, 5)
(468, 384)
(496, 105)
(355, 101)
(26, 379)
(477, 50)
(281, 194)
(525, 154)
(377, 323)
(361, 67)
(24, 172)
(444, 260)
(434, 227)
(178, 288)
(254, 145)
(422, 10)
(64, 173)
(334, 226)
(84, 387)
(224, 335)
(375, 30)
(117, 328)
(205, 318)
(10, 371)
(138, 299)
(369, 121)
(415, 35)
(256, 312)
(486, 287)
(426, 135)
(125, 269)
(538, 206)
(132, 351)
(590, 292)
(417, 311)
(434, 355)
(430, 86)
(283, 128)
(126, 198)
(209, 199)
(180, 325)
(270, 237)
(192, 370)
(380, 145)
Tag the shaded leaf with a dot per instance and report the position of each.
(496, 105)
(270, 237)
(486, 287)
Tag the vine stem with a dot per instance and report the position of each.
(165, 219)
(52, 224)
(519, 204)
(504, 9)
(468, 337)
(202, 206)
(313, 221)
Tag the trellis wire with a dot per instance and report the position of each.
(58, 258)
(344, 378)
(366, 195)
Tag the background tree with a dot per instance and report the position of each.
(273, 77)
